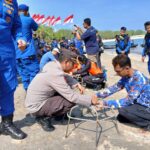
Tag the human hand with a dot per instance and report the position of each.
(74, 31)
(123, 52)
(21, 44)
(95, 100)
(143, 59)
(81, 88)
(101, 104)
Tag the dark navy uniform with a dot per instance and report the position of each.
(27, 62)
(123, 44)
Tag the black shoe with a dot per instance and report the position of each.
(8, 128)
(45, 123)
(122, 119)
(147, 128)
(61, 118)
(97, 87)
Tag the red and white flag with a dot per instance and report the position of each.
(69, 19)
(40, 19)
(45, 20)
(51, 21)
(56, 21)
(35, 16)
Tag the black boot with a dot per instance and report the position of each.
(45, 123)
(61, 118)
(8, 128)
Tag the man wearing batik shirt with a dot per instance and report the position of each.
(135, 108)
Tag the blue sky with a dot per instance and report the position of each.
(105, 14)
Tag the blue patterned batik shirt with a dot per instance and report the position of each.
(137, 87)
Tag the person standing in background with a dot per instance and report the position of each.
(146, 50)
(90, 40)
(27, 62)
(123, 43)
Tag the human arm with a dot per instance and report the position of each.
(34, 25)
(128, 46)
(144, 53)
(84, 69)
(118, 49)
(74, 83)
(63, 88)
(17, 29)
(111, 90)
(136, 86)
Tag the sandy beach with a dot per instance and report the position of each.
(130, 138)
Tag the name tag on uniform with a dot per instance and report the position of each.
(8, 10)
(9, 6)
(10, 2)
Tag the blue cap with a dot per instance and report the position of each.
(23, 7)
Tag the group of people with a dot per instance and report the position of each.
(49, 82)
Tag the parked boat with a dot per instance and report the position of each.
(133, 45)
(109, 46)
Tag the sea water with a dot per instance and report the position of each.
(137, 49)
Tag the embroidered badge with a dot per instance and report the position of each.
(8, 19)
(10, 2)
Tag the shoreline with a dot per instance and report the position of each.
(132, 38)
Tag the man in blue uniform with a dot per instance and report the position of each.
(10, 30)
(78, 43)
(146, 50)
(27, 62)
(123, 43)
(49, 56)
(90, 39)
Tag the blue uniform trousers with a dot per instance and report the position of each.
(8, 83)
(27, 69)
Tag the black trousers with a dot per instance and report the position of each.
(136, 114)
(55, 106)
(98, 58)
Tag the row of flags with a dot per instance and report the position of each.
(51, 20)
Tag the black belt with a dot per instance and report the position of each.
(32, 57)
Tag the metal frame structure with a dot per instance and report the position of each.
(95, 116)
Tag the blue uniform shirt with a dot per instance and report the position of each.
(90, 40)
(28, 26)
(137, 87)
(54, 44)
(10, 28)
(123, 44)
(146, 49)
(79, 45)
(46, 58)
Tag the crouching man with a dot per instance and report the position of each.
(51, 93)
(135, 107)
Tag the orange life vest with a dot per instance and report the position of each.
(94, 69)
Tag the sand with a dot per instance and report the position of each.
(131, 137)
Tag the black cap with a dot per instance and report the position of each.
(123, 28)
(72, 44)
